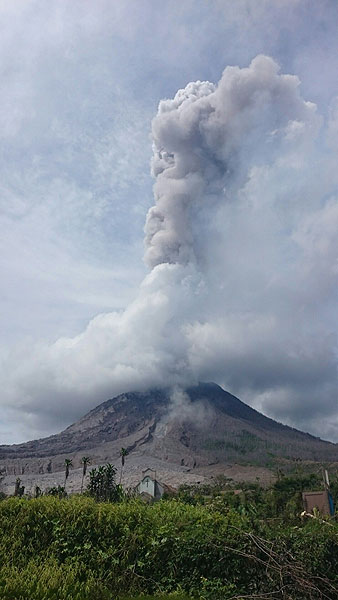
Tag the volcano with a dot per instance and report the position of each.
(197, 431)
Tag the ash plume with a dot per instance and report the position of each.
(204, 142)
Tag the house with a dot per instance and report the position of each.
(150, 488)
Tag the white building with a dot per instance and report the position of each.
(150, 487)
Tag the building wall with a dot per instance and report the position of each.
(158, 490)
(147, 485)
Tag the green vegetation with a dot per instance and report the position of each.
(280, 502)
(58, 491)
(243, 442)
(267, 449)
(102, 485)
(245, 448)
(208, 542)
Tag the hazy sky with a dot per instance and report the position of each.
(237, 279)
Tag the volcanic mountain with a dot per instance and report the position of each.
(200, 430)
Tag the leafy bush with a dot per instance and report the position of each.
(76, 548)
(49, 580)
(58, 491)
(102, 484)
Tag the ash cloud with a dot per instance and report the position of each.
(242, 249)
(205, 141)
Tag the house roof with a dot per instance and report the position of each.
(169, 488)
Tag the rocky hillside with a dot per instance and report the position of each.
(203, 429)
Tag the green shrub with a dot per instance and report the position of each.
(81, 549)
(49, 580)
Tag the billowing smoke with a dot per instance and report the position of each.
(205, 141)
(242, 248)
(183, 409)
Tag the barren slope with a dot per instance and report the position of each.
(203, 429)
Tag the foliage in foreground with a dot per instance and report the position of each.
(102, 484)
(78, 549)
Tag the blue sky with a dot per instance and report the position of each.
(81, 83)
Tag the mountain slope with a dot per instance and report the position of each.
(197, 427)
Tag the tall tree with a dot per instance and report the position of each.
(123, 454)
(85, 462)
(68, 464)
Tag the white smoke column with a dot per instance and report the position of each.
(204, 142)
(207, 141)
(182, 408)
